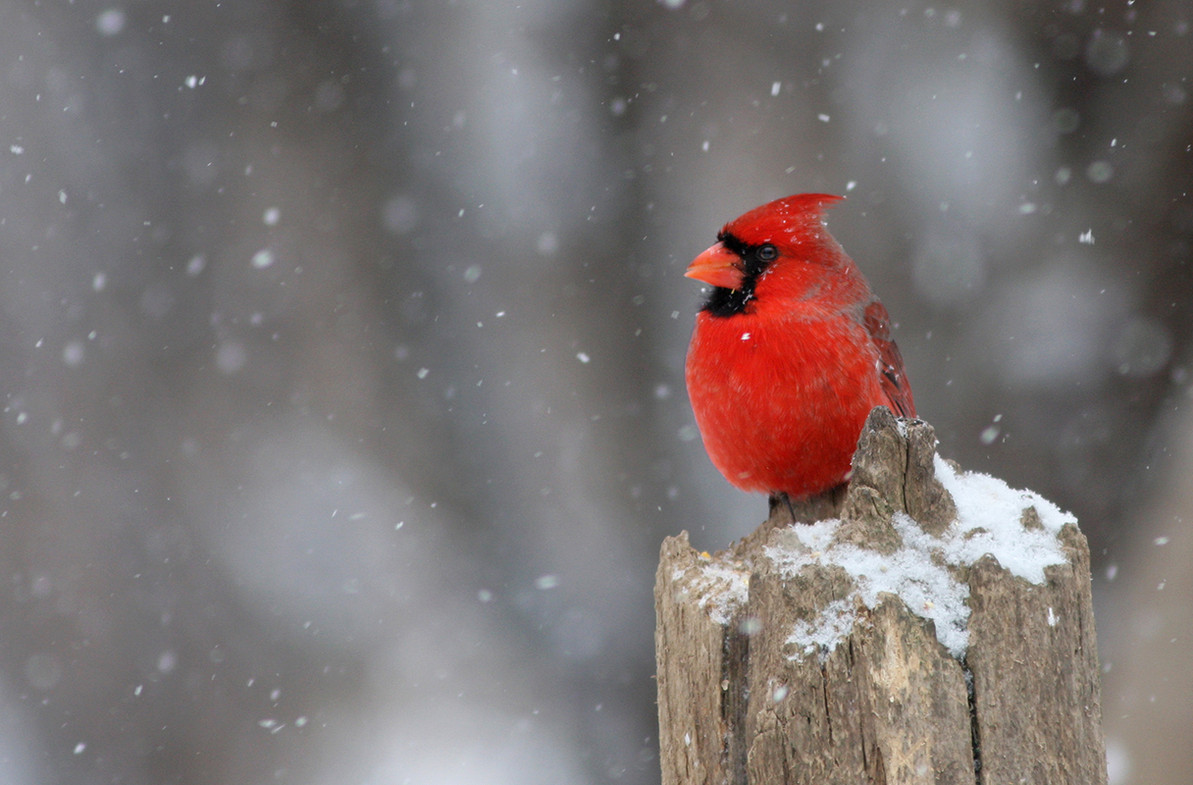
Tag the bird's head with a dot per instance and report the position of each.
(758, 243)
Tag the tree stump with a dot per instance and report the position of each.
(925, 626)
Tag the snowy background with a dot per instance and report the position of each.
(341, 352)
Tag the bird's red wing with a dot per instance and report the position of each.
(894, 377)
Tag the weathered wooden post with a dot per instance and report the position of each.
(933, 627)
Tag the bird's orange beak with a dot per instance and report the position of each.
(717, 266)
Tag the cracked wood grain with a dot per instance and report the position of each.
(740, 704)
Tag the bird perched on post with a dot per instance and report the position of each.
(790, 352)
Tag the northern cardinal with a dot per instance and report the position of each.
(790, 352)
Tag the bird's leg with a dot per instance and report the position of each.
(813, 508)
(790, 507)
(783, 498)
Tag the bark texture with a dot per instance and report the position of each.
(743, 700)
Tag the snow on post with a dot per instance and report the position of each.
(928, 626)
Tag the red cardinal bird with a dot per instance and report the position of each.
(790, 352)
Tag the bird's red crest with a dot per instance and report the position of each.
(798, 217)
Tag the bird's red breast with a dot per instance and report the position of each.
(790, 352)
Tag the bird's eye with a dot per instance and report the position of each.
(767, 253)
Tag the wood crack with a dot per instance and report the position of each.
(828, 716)
(975, 735)
(735, 697)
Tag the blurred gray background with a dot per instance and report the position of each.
(341, 351)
